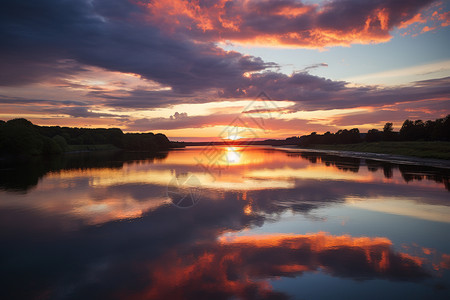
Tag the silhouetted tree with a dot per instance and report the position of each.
(374, 135)
(438, 130)
(407, 130)
(446, 129)
(388, 132)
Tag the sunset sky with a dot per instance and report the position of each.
(189, 69)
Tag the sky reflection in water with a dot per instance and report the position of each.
(269, 224)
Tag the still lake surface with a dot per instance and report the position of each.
(223, 223)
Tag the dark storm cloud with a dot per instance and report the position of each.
(111, 35)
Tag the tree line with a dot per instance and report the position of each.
(437, 130)
(21, 137)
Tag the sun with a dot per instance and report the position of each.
(234, 137)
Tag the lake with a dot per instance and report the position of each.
(220, 222)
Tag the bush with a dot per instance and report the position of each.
(19, 137)
(62, 143)
(51, 147)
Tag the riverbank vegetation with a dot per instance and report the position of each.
(437, 130)
(430, 139)
(20, 137)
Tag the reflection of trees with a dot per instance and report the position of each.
(411, 173)
(408, 172)
(23, 175)
(387, 171)
(341, 162)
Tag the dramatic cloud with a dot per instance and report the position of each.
(312, 92)
(42, 35)
(287, 22)
(170, 50)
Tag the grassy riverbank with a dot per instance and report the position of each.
(437, 150)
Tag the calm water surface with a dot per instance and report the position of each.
(223, 223)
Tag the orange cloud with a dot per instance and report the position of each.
(445, 18)
(416, 19)
(287, 23)
(427, 28)
(445, 263)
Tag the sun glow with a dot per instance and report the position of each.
(233, 156)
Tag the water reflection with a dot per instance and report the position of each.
(23, 175)
(238, 268)
(104, 227)
(408, 172)
(101, 187)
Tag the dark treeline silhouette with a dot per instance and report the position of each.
(21, 137)
(340, 137)
(438, 130)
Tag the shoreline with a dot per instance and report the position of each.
(393, 158)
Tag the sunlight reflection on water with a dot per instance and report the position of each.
(265, 214)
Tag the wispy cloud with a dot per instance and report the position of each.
(405, 75)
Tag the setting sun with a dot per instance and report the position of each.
(234, 137)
